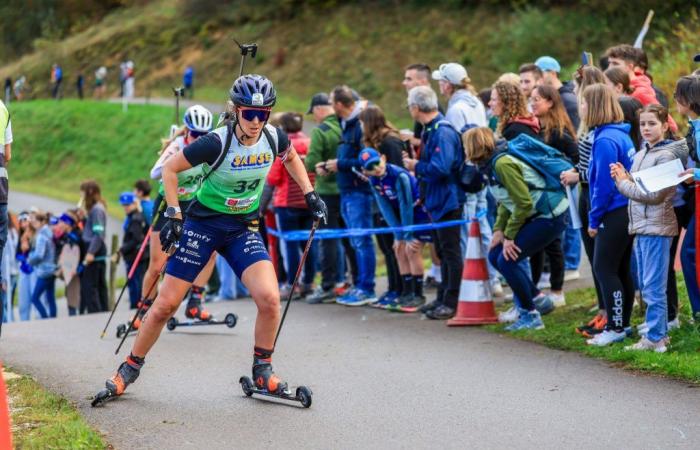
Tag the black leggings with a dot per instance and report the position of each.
(584, 205)
(611, 265)
(446, 242)
(386, 245)
(556, 264)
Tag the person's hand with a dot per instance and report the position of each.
(569, 177)
(592, 232)
(89, 259)
(496, 239)
(321, 169)
(510, 251)
(690, 171)
(317, 206)
(415, 245)
(331, 165)
(170, 234)
(618, 172)
(408, 163)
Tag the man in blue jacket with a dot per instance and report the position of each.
(437, 170)
(356, 200)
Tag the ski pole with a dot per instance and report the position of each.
(128, 278)
(245, 49)
(179, 91)
(296, 277)
(138, 311)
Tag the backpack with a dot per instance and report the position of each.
(548, 162)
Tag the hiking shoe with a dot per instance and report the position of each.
(357, 297)
(385, 299)
(528, 320)
(442, 312)
(319, 295)
(645, 344)
(571, 275)
(509, 316)
(607, 337)
(544, 304)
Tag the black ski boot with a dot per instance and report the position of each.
(194, 309)
(127, 373)
(263, 376)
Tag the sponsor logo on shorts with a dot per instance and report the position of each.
(192, 243)
(201, 237)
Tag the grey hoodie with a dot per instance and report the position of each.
(464, 109)
(652, 214)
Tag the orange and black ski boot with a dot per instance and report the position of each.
(263, 376)
(127, 373)
(194, 309)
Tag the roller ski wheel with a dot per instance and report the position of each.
(230, 320)
(302, 395)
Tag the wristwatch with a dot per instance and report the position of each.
(172, 211)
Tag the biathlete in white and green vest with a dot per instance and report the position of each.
(197, 122)
(224, 218)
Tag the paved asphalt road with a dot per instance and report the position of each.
(381, 380)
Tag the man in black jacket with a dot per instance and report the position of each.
(135, 228)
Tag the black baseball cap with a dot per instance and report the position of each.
(320, 99)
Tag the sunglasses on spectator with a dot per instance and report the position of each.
(250, 114)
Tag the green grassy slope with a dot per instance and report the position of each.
(59, 144)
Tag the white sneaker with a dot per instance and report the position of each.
(509, 316)
(643, 329)
(558, 299)
(607, 337)
(646, 344)
(496, 288)
(674, 324)
(544, 281)
(571, 275)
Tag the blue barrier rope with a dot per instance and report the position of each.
(336, 233)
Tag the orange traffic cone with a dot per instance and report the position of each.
(5, 430)
(475, 305)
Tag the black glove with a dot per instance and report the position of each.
(317, 206)
(170, 234)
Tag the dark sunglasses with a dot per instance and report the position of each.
(250, 114)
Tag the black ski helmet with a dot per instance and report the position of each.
(254, 91)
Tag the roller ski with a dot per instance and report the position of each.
(270, 385)
(126, 374)
(141, 311)
(197, 315)
(230, 321)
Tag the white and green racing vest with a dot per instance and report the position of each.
(188, 181)
(236, 185)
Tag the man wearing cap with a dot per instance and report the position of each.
(135, 227)
(550, 75)
(440, 160)
(325, 139)
(5, 155)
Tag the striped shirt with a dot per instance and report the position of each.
(585, 144)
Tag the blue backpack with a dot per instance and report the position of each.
(548, 162)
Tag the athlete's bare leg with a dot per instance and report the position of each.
(261, 282)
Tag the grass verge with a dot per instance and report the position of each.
(42, 420)
(682, 360)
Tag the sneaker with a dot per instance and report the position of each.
(643, 328)
(357, 297)
(544, 304)
(496, 288)
(607, 337)
(528, 320)
(410, 303)
(386, 299)
(442, 312)
(571, 275)
(591, 324)
(645, 344)
(558, 299)
(510, 316)
(599, 328)
(342, 289)
(674, 324)
(286, 289)
(544, 281)
(430, 283)
(319, 295)
(429, 306)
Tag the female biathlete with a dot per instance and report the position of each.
(223, 218)
(198, 122)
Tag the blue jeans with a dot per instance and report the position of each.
(688, 265)
(653, 255)
(45, 285)
(534, 236)
(289, 219)
(571, 245)
(134, 284)
(477, 203)
(230, 286)
(26, 284)
(356, 209)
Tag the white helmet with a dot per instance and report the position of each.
(198, 118)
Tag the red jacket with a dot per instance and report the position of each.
(646, 95)
(288, 194)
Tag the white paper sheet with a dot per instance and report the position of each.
(660, 177)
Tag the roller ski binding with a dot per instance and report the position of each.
(268, 384)
(127, 373)
(141, 311)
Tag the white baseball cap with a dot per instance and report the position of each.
(451, 72)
